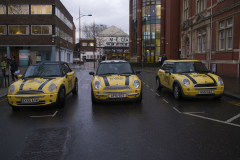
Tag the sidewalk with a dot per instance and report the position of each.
(232, 84)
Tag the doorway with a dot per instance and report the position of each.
(46, 56)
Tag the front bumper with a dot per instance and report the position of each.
(44, 100)
(191, 92)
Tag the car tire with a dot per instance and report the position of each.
(177, 92)
(158, 84)
(61, 98)
(92, 96)
(75, 89)
(140, 97)
(15, 109)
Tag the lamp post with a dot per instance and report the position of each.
(80, 15)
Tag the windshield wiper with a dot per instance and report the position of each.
(32, 77)
(186, 72)
(52, 75)
(125, 73)
(106, 74)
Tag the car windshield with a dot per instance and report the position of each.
(188, 67)
(114, 68)
(43, 71)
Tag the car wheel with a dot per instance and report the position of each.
(92, 96)
(15, 109)
(62, 96)
(177, 92)
(75, 89)
(158, 84)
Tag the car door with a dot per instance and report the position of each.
(168, 77)
(67, 79)
(72, 76)
(162, 73)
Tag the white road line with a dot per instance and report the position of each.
(85, 86)
(193, 112)
(81, 77)
(88, 79)
(165, 101)
(215, 120)
(176, 110)
(44, 115)
(151, 89)
(147, 85)
(143, 83)
(233, 118)
(158, 95)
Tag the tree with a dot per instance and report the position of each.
(88, 30)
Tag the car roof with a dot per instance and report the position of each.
(115, 61)
(185, 60)
(51, 63)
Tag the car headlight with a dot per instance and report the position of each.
(11, 89)
(97, 84)
(136, 83)
(220, 81)
(186, 82)
(52, 87)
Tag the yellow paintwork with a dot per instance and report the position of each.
(113, 81)
(167, 81)
(35, 83)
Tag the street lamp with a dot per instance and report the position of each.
(81, 15)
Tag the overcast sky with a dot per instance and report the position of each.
(108, 12)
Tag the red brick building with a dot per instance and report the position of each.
(210, 33)
(154, 29)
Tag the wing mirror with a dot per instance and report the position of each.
(69, 74)
(168, 71)
(19, 76)
(91, 73)
(137, 72)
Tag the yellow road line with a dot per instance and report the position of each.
(235, 103)
(3, 100)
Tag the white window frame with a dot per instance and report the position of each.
(221, 39)
(27, 30)
(185, 10)
(201, 6)
(224, 27)
(228, 38)
(84, 44)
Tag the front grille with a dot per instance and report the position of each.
(117, 88)
(205, 85)
(30, 92)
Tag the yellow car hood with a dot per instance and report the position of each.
(201, 78)
(33, 84)
(114, 80)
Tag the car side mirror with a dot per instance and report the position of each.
(91, 73)
(168, 71)
(69, 74)
(137, 72)
(19, 76)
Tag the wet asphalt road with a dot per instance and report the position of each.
(158, 128)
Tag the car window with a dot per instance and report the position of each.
(66, 65)
(115, 68)
(43, 71)
(65, 69)
(168, 66)
(186, 67)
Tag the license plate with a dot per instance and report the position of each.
(206, 92)
(34, 100)
(117, 95)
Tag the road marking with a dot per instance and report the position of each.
(151, 89)
(143, 83)
(193, 112)
(81, 77)
(44, 115)
(158, 95)
(235, 103)
(3, 100)
(165, 101)
(176, 110)
(88, 79)
(85, 86)
(215, 120)
(233, 118)
(147, 85)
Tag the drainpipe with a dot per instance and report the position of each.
(238, 61)
(210, 53)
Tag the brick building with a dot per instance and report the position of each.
(210, 33)
(154, 29)
(88, 50)
(43, 29)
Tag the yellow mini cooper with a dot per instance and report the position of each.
(189, 79)
(115, 80)
(43, 84)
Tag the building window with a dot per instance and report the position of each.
(3, 30)
(42, 29)
(22, 30)
(201, 5)
(41, 9)
(18, 9)
(91, 44)
(3, 9)
(84, 44)
(185, 10)
(201, 40)
(226, 34)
